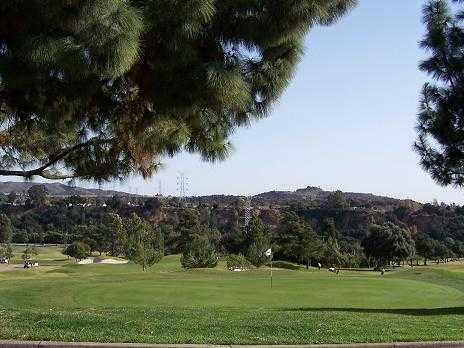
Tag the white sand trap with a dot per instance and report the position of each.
(87, 261)
(112, 261)
(92, 260)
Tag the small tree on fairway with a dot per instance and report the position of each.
(331, 253)
(108, 236)
(200, 251)
(77, 250)
(238, 261)
(6, 250)
(114, 223)
(259, 240)
(29, 253)
(145, 243)
(6, 229)
(311, 246)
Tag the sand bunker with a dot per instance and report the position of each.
(94, 260)
(112, 261)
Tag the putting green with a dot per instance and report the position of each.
(302, 307)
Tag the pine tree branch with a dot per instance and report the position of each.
(47, 174)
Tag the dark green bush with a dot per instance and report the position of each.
(237, 262)
(286, 265)
(77, 250)
(199, 253)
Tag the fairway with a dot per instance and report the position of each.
(64, 301)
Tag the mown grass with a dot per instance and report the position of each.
(231, 326)
(119, 303)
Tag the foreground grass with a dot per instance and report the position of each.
(228, 326)
(108, 303)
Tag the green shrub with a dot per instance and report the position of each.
(29, 253)
(6, 250)
(286, 265)
(237, 262)
(77, 250)
(256, 254)
(260, 241)
(199, 253)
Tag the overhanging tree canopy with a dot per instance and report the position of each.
(441, 119)
(100, 89)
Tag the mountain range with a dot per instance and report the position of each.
(58, 189)
(310, 193)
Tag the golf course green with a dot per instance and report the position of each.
(60, 300)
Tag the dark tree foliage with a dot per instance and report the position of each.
(440, 126)
(258, 241)
(29, 253)
(200, 251)
(300, 234)
(12, 197)
(6, 229)
(425, 248)
(336, 200)
(388, 243)
(37, 195)
(101, 89)
(6, 250)
(143, 244)
(237, 262)
(328, 229)
(188, 223)
(297, 240)
(77, 250)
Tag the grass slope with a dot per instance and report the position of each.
(119, 303)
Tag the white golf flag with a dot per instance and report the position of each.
(268, 252)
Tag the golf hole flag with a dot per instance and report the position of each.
(268, 252)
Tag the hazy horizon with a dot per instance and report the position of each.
(346, 121)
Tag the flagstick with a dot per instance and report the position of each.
(272, 256)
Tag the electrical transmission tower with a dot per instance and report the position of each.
(182, 186)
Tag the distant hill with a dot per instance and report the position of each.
(308, 194)
(312, 194)
(318, 195)
(58, 189)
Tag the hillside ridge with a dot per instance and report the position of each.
(310, 193)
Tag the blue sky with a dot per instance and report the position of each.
(346, 122)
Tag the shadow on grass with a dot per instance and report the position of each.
(399, 311)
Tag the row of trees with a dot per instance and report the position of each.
(333, 234)
(145, 243)
(134, 239)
